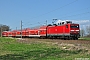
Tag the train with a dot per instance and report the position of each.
(61, 30)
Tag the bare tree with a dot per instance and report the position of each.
(4, 28)
(88, 30)
(82, 32)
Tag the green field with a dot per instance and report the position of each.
(84, 38)
(10, 49)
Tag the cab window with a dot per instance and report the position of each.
(74, 26)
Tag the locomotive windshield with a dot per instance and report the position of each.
(74, 26)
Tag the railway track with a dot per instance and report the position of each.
(56, 40)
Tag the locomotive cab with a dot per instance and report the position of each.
(74, 31)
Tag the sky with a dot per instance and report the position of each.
(36, 12)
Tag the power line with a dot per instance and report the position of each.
(55, 9)
(58, 8)
(77, 10)
(75, 15)
(83, 17)
(65, 14)
(68, 16)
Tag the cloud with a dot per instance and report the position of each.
(81, 22)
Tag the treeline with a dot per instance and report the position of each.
(4, 28)
(85, 31)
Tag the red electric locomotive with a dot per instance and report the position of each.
(64, 29)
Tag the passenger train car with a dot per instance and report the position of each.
(63, 30)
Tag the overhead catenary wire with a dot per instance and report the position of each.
(64, 14)
(75, 15)
(57, 8)
(60, 18)
(77, 10)
(70, 16)
(54, 10)
(84, 17)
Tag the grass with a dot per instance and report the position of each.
(84, 38)
(10, 49)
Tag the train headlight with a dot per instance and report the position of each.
(77, 30)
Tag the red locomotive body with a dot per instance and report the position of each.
(65, 30)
